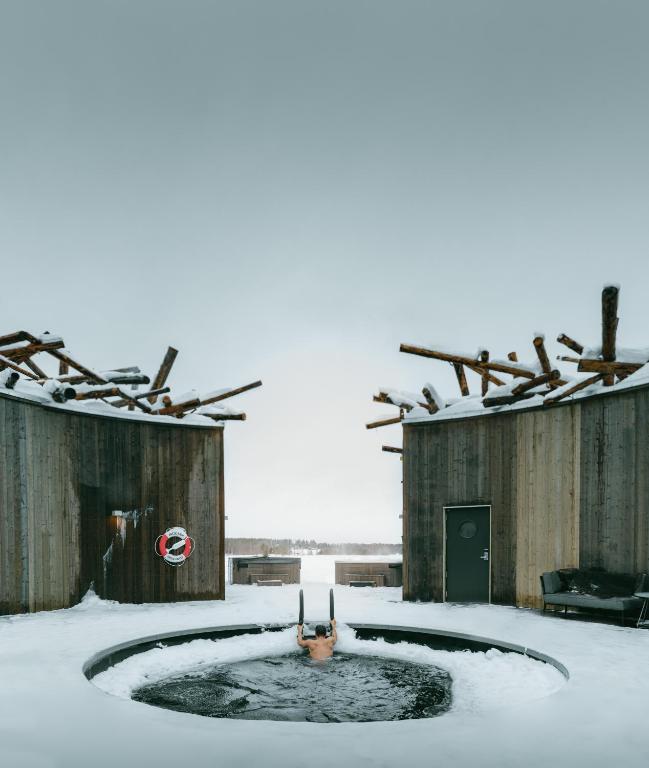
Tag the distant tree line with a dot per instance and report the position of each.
(244, 546)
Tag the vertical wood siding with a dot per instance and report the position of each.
(62, 474)
(547, 500)
(568, 487)
(385, 574)
(615, 482)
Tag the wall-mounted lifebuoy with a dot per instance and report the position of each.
(174, 546)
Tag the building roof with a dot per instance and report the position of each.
(510, 385)
(113, 392)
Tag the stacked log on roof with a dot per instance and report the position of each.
(75, 381)
(607, 364)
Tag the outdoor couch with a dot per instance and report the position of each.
(593, 590)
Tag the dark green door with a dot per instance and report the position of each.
(467, 554)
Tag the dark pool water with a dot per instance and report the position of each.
(346, 688)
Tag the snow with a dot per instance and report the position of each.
(217, 409)
(51, 716)
(437, 398)
(481, 681)
(401, 398)
(29, 390)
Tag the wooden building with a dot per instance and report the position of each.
(544, 472)
(252, 570)
(376, 573)
(92, 494)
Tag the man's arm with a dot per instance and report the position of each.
(334, 636)
(300, 640)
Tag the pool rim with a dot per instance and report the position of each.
(109, 657)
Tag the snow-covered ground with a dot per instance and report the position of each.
(50, 715)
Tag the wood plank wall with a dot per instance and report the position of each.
(288, 572)
(547, 498)
(62, 474)
(568, 487)
(615, 482)
(390, 573)
(454, 463)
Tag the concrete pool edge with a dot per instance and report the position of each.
(446, 639)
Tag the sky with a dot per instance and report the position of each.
(288, 190)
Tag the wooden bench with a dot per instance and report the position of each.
(372, 579)
(270, 583)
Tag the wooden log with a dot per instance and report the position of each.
(20, 353)
(141, 396)
(391, 449)
(77, 366)
(382, 397)
(6, 363)
(607, 368)
(12, 378)
(570, 343)
(512, 356)
(492, 365)
(461, 379)
(610, 296)
(63, 394)
(546, 367)
(16, 337)
(101, 394)
(571, 390)
(127, 378)
(485, 373)
(484, 358)
(114, 377)
(179, 408)
(569, 359)
(539, 346)
(173, 409)
(495, 400)
(74, 378)
(133, 401)
(97, 394)
(544, 378)
(231, 393)
(383, 422)
(63, 368)
(225, 416)
(430, 400)
(34, 368)
(163, 372)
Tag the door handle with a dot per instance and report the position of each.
(485, 554)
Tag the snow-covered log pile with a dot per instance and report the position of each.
(75, 384)
(508, 382)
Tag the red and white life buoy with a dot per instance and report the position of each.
(174, 546)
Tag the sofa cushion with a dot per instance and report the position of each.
(551, 582)
(598, 582)
(590, 601)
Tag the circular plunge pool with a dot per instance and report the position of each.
(345, 688)
(379, 673)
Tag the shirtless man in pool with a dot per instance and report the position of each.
(322, 647)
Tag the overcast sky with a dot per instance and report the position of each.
(288, 190)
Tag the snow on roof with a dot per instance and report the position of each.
(509, 384)
(473, 404)
(112, 392)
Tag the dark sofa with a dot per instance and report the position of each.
(593, 590)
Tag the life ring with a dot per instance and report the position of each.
(170, 554)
